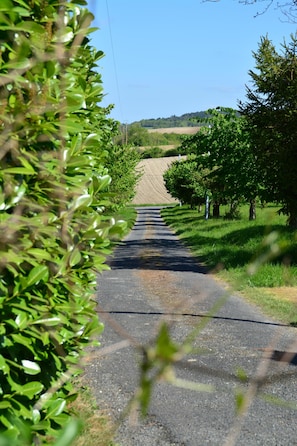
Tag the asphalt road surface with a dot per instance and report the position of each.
(154, 278)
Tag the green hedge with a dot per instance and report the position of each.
(54, 232)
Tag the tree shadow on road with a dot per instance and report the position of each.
(155, 254)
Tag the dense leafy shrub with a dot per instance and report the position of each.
(54, 233)
(185, 181)
(121, 164)
(153, 152)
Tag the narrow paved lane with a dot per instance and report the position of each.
(154, 278)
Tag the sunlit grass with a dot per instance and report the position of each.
(97, 427)
(249, 255)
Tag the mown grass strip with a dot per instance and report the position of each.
(257, 258)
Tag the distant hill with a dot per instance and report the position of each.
(173, 121)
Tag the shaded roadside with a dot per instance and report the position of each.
(153, 278)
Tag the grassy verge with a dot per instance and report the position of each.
(97, 428)
(257, 258)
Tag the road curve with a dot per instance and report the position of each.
(153, 278)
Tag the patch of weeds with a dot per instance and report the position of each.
(98, 429)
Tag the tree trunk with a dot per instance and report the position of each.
(292, 220)
(233, 209)
(216, 210)
(252, 210)
(291, 210)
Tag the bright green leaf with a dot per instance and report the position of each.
(50, 321)
(37, 274)
(4, 405)
(55, 407)
(30, 367)
(75, 257)
(75, 102)
(31, 389)
(82, 201)
(6, 5)
(19, 170)
(3, 365)
(104, 182)
(69, 433)
(30, 27)
(71, 126)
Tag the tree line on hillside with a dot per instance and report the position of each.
(249, 156)
(185, 120)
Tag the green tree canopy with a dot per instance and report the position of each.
(223, 148)
(185, 181)
(271, 112)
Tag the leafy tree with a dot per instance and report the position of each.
(54, 234)
(271, 112)
(223, 147)
(184, 181)
(137, 135)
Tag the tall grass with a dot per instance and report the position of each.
(254, 257)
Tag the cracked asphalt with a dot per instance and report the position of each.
(154, 278)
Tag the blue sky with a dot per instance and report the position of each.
(170, 57)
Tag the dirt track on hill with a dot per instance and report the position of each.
(151, 188)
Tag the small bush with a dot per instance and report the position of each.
(154, 152)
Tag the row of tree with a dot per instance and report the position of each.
(250, 154)
(185, 120)
(137, 136)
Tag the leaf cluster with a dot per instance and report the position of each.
(54, 231)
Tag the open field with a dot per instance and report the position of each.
(178, 130)
(151, 188)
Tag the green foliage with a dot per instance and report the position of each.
(185, 181)
(163, 139)
(138, 136)
(54, 233)
(134, 135)
(185, 120)
(223, 148)
(271, 111)
(121, 164)
(153, 152)
(173, 152)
